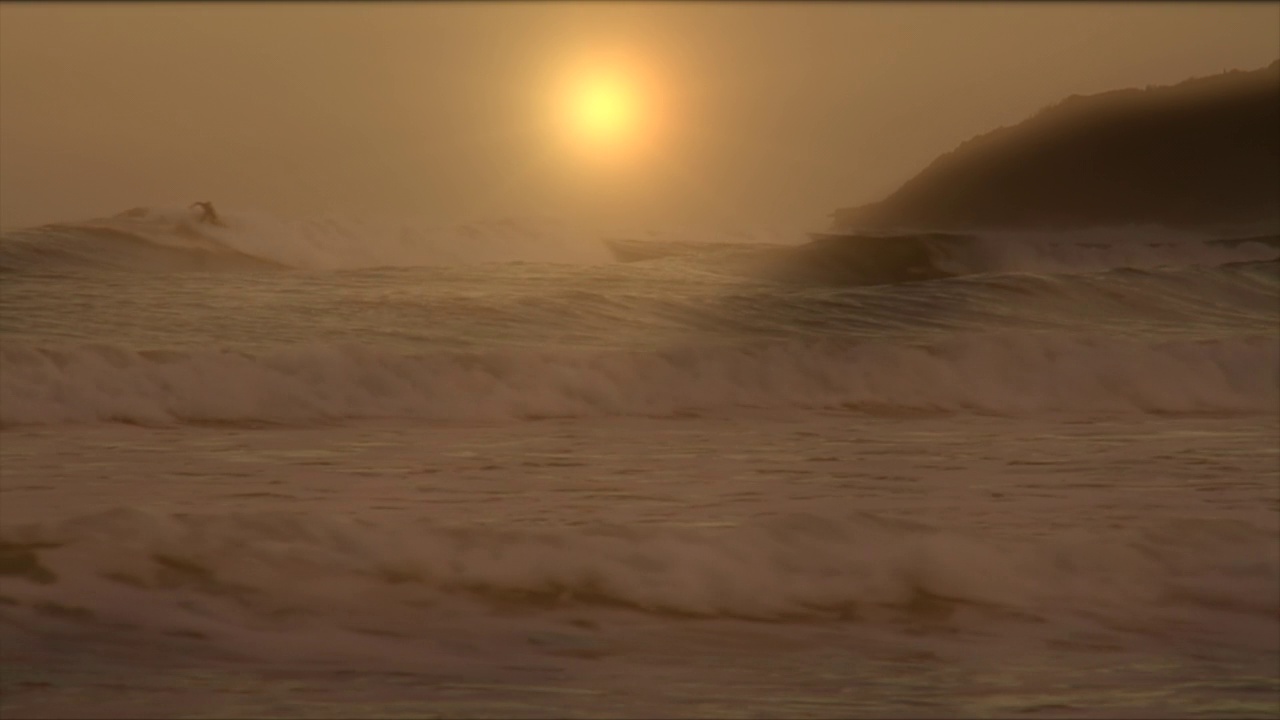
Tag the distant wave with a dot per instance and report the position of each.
(853, 260)
(171, 239)
(995, 373)
(117, 245)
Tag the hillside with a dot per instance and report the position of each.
(1203, 152)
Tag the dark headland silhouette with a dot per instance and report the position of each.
(1203, 152)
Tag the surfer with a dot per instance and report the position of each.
(209, 215)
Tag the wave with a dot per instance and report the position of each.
(994, 373)
(1202, 301)
(146, 568)
(832, 259)
(171, 239)
(115, 245)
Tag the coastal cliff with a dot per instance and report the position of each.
(1203, 152)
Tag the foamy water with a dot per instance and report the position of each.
(489, 471)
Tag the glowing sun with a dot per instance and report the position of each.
(603, 110)
(606, 113)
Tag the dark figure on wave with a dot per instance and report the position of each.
(207, 214)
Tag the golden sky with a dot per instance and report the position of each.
(749, 113)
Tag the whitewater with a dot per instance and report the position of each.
(523, 468)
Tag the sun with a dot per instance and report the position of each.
(606, 113)
(602, 110)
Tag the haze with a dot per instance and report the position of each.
(751, 113)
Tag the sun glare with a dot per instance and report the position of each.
(603, 110)
(606, 113)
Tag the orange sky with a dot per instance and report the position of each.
(751, 113)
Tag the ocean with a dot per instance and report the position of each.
(326, 468)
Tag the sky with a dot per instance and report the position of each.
(661, 113)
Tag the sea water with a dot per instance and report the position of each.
(329, 469)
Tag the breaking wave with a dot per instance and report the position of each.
(184, 571)
(995, 373)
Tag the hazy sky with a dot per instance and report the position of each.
(752, 113)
